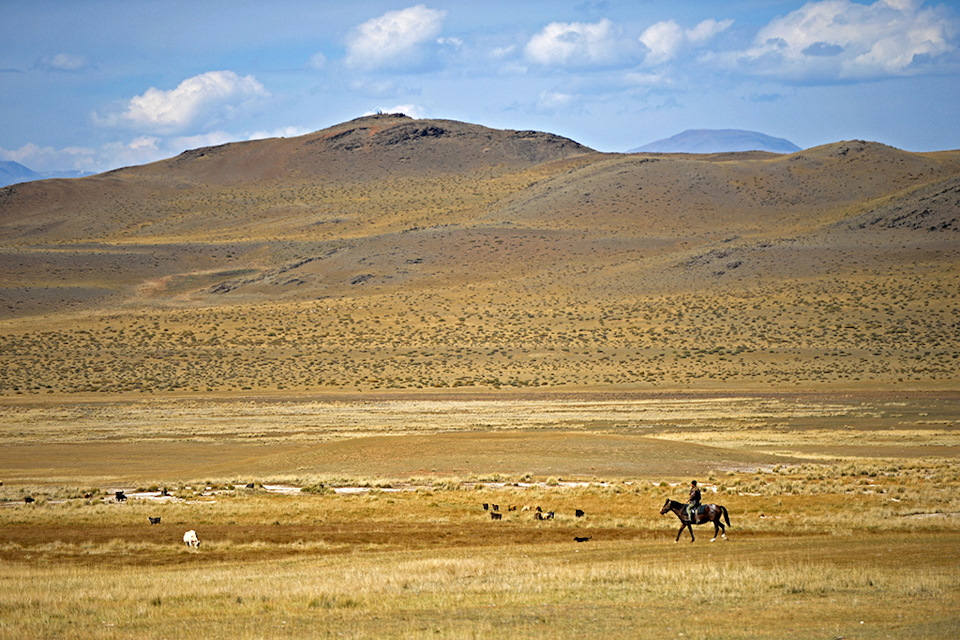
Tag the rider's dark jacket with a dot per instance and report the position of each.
(695, 496)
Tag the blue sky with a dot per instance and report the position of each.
(95, 85)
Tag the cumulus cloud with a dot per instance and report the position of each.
(395, 39)
(665, 40)
(840, 39)
(209, 96)
(575, 44)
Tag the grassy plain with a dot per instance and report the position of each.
(365, 517)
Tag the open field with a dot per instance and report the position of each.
(364, 516)
(324, 354)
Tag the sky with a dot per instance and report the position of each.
(100, 84)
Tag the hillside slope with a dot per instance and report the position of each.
(409, 253)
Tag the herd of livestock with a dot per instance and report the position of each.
(191, 539)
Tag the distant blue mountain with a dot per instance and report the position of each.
(13, 172)
(718, 141)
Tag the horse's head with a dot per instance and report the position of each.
(666, 507)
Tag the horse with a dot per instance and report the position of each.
(711, 513)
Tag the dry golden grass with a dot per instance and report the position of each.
(389, 537)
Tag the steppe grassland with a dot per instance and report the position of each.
(415, 564)
(629, 590)
(817, 546)
(886, 331)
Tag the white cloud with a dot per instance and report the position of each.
(707, 29)
(209, 96)
(412, 110)
(665, 40)
(317, 61)
(63, 62)
(575, 44)
(43, 159)
(662, 40)
(395, 39)
(283, 132)
(140, 150)
(840, 39)
(550, 101)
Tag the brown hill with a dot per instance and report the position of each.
(508, 257)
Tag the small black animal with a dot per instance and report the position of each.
(581, 539)
(496, 507)
(579, 513)
(120, 497)
(154, 520)
(485, 506)
(28, 500)
(495, 516)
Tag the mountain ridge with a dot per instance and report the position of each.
(718, 141)
(13, 172)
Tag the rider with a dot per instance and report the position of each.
(694, 502)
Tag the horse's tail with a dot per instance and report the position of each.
(726, 516)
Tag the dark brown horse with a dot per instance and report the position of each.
(711, 513)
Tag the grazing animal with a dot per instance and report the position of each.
(496, 507)
(251, 486)
(511, 508)
(526, 507)
(87, 496)
(120, 497)
(28, 500)
(485, 506)
(548, 515)
(495, 515)
(581, 539)
(154, 520)
(579, 513)
(710, 513)
(191, 540)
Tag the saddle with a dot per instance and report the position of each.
(697, 511)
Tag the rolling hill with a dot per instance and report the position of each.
(388, 252)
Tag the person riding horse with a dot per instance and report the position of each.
(694, 502)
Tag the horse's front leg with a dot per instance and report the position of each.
(690, 526)
(682, 527)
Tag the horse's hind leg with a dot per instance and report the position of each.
(718, 526)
